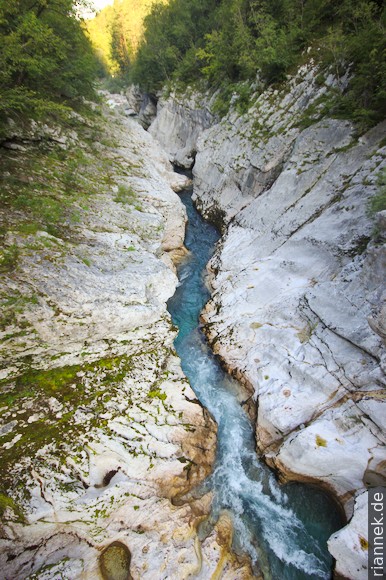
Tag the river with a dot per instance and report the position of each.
(284, 529)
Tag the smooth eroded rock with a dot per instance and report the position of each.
(115, 562)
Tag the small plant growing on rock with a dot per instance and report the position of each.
(320, 442)
(125, 195)
(157, 394)
(378, 202)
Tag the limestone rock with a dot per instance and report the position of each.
(142, 105)
(219, 542)
(349, 546)
(99, 427)
(298, 285)
(134, 98)
(178, 124)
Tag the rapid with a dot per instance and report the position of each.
(284, 529)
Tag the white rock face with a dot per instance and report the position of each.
(298, 291)
(291, 301)
(241, 156)
(99, 427)
(179, 123)
(349, 546)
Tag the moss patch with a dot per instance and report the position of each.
(157, 394)
(12, 306)
(88, 387)
(320, 442)
(54, 414)
(8, 258)
(125, 194)
(7, 502)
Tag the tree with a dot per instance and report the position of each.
(116, 33)
(47, 60)
(228, 42)
(119, 45)
(173, 31)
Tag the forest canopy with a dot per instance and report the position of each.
(226, 42)
(50, 57)
(48, 64)
(116, 33)
(222, 44)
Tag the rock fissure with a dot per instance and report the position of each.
(334, 331)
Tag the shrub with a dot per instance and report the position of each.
(378, 202)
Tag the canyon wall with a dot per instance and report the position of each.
(297, 309)
(179, 123)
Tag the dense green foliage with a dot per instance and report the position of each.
(47, 60)
(173, 34)
(225, 42)
(116, 33)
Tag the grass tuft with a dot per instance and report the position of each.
(320, 442)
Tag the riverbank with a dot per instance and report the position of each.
(100, 428)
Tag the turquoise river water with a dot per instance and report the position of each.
(284, 529)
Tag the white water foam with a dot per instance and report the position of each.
(265, 525)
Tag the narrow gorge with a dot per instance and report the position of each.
(112, 466)
(297, 281)
(192, 289)
(284, 530)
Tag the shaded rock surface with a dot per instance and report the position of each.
(179, 123)
(142, 105)
(298, 283)
(99, 427)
